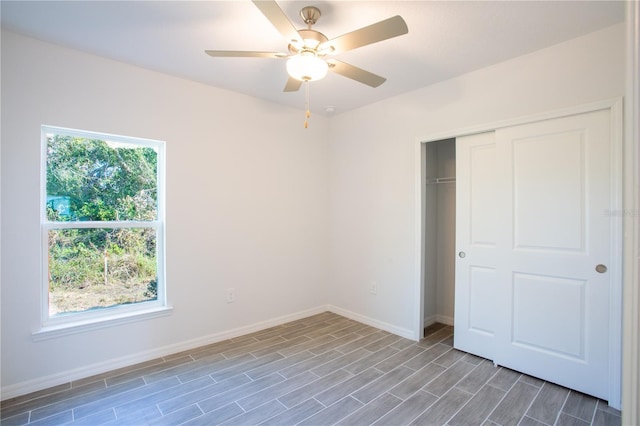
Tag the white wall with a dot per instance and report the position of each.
(446, 233)
(430, 239)
(631, 308)
(372, 159)
(246, 204)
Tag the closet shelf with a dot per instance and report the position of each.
(441, 180)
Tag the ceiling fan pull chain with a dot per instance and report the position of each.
(306, 104)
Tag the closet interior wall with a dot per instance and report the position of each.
(440, 227)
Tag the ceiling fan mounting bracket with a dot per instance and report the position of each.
(310, 15)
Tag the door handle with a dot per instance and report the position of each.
(462, 254)
(601, 268)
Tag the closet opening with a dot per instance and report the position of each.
(439, 216)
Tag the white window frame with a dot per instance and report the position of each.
(52, 326)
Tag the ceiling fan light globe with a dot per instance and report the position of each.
(307, 68)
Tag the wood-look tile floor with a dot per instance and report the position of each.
(321, 370)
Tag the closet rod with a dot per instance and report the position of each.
(441, 180)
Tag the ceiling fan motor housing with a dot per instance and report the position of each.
(311, 40)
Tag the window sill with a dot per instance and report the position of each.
(60, 330)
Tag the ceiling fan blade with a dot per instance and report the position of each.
(293, 85)
(278, 19)
(243, 54)
(373, 33)
(355, 73)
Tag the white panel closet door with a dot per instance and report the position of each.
(477, 189)
(532, 224)
(555, 323)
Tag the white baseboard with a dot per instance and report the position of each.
(402, 332)
(34, 385)
(432, 319)
(444, 319)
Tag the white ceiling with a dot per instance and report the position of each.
(446, 39)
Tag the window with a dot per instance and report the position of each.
(102, 226)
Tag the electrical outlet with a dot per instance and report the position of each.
(231, 295)
(373, 289)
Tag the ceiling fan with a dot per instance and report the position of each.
(310, 52)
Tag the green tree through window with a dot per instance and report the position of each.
(101, 222)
